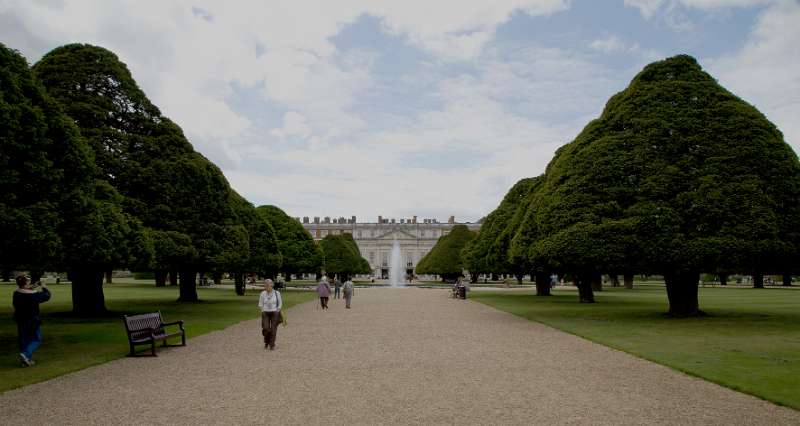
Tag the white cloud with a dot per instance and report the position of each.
(612, 44)
(765, 71)
(294, 125)
(648, 8)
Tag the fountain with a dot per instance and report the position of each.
(397, 271)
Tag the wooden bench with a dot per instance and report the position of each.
(147, 329)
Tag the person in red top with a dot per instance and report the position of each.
(26, 314)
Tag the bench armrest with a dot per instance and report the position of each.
(179, 323)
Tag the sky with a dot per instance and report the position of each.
(415, 107)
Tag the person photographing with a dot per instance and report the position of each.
(26, 302)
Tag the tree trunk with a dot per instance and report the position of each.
(473, 278)
(542, 284)
(614, 278)
(495, 277)
(287, 277)
(238, 281)
(173, 277)
(217, 277)
(787, 280)
(188, 287)
(723, 279)
(628, 279)
(36, 275)
(109, 277)
(584, 283)
(519, 279)
(597, 282)
(88, 299)
(758, 280)
(6, 275)
(161, 278)
(682, 294)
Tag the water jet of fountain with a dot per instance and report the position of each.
(397, 270)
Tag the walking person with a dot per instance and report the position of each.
(337, 289)
(270, 303)
(26, 302)
(324, 292)
(348, 290)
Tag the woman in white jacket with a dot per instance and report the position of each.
(270, 304)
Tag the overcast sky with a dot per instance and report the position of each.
(404, 107)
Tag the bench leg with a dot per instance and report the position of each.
(133, 351)
(153, 347)
(183, 339)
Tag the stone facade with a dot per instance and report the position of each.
(375, 240)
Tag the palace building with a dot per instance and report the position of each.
(375, 240)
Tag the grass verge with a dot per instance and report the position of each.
(72, 344)
(750, 342)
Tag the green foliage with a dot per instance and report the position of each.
(677, 174)
(487, 252)
(445, 257)
(54, 210)
(341, 256)
(300, 253)
(148, 159)
(264, 254)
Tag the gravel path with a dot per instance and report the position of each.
(399, 356)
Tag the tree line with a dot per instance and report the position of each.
(678, 176)
(94, 178)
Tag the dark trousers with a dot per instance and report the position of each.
(269, 327)
(323, 301)
(337, 293)
(29, 337)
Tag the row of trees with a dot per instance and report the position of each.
(678, 176)
(95, 178)
(445, 258)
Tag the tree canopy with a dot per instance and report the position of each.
(487, 252)
(677, 176)
(148, 159)
(300, 253)
(57, 210)
(445, 259)
(342, 257)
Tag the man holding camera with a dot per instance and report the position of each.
(27, 298)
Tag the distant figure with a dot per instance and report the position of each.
(324, 292)
(337, 289)
(270, 303)
(26, 302)
(348, 290)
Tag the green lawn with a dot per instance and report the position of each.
(72, 344)
(750, 342)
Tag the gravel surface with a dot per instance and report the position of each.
(399, 356)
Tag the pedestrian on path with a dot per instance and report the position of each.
(26, 302)
(270, 303)
(324, 292)
(337, 289)
(348, 290)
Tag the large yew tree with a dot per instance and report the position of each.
(56, 211)
(445, 259)
(677, 176)
(300, 253)
(171, 188)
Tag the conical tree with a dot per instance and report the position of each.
(488, 251)
(677, 176)
(445, 259)
(341, 256)
(300, 253)
(148, 159)
(55, 212)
